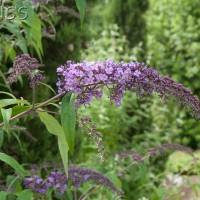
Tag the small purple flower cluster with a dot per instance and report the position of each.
(25, 65)
(59, 181)
(87, 78)
(36, 184)
(131, 154)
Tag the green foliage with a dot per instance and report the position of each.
(54, 127)
(172, 47)
(25, 195)
(174, 32)
(81, 5)
(129, 16)
(21, 34)
(6, 102)
(113, 43)
(68, 119)
(6, 113)
(13, 163)
(3, 195)
(179, 162)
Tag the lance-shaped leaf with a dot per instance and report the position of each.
(54, 127)
(68, 119)
(63, 148)
(81, 5)
(6, 114)
(13, 163)
(7, 102)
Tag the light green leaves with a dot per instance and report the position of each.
(81, 5)
(13, 163)
(7, 102)
(54, 127)
(63, 148)
(25, 195)
(68, 119)
(3, 195)
(66, 132)
(6, 113)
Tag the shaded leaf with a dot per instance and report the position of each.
(25, 195)
(81, 5)
(13, 163)
(68, 119)
(7, 102)
(63, 148)
(54, 127)
(3, 195)
(6, 113)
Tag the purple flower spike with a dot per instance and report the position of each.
(87, 78)
(76, 177)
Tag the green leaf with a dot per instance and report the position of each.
(25, 10)
(81, 5)
(16, 110)
(6, 113)
(25, 195)
(1, 137)
(7, 102)
(3, 195)
(13, 163)
(63, 148)
(54, 127)
(21, 43)
(9, 94)
(36, 33)
(68, 119)
(19, 109)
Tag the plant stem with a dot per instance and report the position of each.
(75, 194)
(35, 108)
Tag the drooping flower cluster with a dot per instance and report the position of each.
(76, 177)
(87, 78)
(137, 158)
(151, 152)
(94, 135)
(165, 147)
(25, 65)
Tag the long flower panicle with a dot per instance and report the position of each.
(136, 158)
(87, 78)
(151, 152)
(94, 135)
(25, 65)
(76, 177)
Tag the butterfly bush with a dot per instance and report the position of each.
(25, 65)
(87, 78)
(59, 182)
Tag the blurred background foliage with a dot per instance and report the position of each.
(164, 34)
